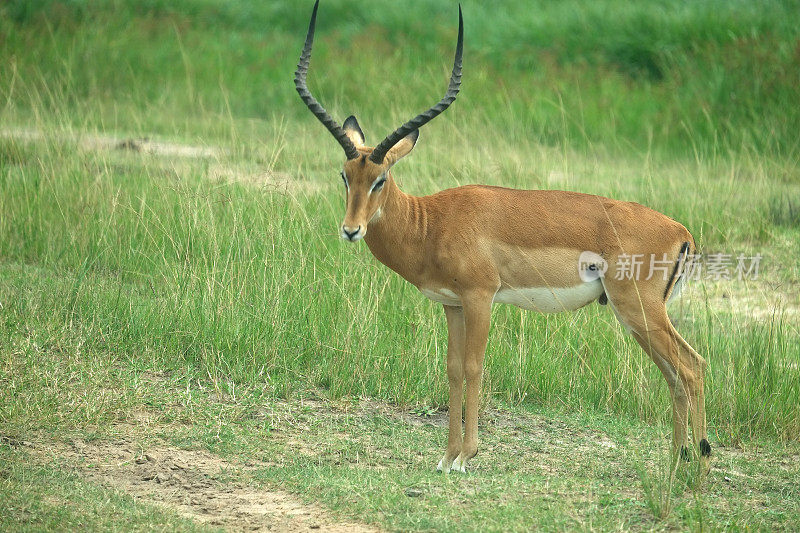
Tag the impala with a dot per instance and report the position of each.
(549, 251)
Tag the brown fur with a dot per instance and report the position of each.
(475, 240)
(467, 246)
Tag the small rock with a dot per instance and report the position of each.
(140, 460)
(413, 492)
(162, 477)
(727, 479)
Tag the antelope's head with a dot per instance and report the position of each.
(366, 170)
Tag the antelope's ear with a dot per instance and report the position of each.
(353, 131)
(402, 148)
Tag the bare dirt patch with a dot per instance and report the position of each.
(89, 141)
(178, 156)
(194, 484)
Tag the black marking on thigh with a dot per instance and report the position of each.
(705, 448)
(672, 278)
(363, 160)
(603, 300)
(685, 453)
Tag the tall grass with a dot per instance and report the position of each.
(683, 77)
(168, 267)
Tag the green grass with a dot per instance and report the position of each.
(710, 77)
(362, 458)
(225, 271)
(173, 269)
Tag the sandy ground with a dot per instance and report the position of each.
(106, 142)
(194, 484)
(176, 156)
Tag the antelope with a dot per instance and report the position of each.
(472, 246)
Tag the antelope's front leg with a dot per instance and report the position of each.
(455, 376)
(477, 315)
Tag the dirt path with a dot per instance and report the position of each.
(89, 141)
(194, 484)
(176, 156)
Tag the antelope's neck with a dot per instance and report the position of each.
(397, 237)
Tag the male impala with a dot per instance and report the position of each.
(471, 246)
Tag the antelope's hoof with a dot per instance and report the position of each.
(460, 464)
(456, 465)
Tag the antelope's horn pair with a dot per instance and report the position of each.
(415, 123)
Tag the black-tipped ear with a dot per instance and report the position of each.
(353, 130)
(402, 148)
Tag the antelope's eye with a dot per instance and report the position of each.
(378, 185)
(344, 179)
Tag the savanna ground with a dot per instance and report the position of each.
(186, 343)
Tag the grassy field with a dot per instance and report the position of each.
(171, 275)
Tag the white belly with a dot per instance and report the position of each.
(542, 299)
(551, 300)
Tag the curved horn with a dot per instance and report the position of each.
(310, 101)
(420, 120)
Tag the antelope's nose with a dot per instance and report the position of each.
(352, 234)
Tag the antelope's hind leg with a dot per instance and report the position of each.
(685, 376)
(652, 343)
(692, 371)
(641, 308)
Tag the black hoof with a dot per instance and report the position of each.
(705, 448)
